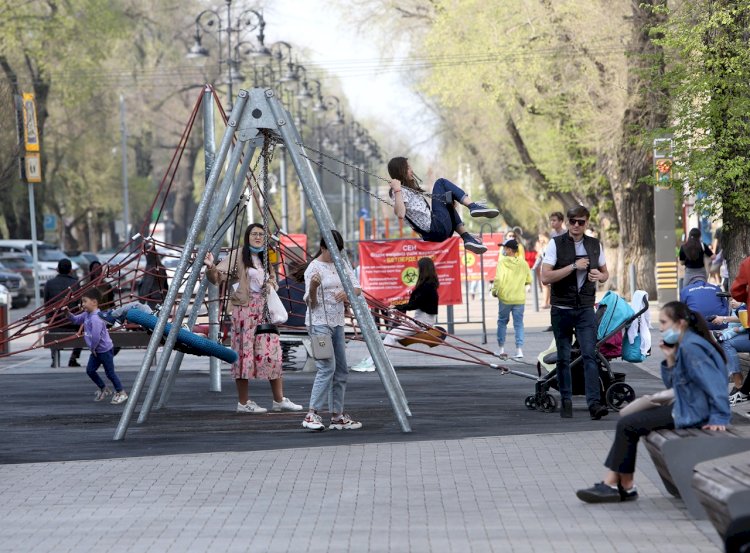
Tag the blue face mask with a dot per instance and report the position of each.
(670, 336)
(257, 250)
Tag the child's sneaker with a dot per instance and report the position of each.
(102, 394)
(344, 422)
(519, 353)
(365, 366)
(473, 244)
(736, 399)
(251, 407)
(478, 209)
(285, 404)
(313, 422)
(500, 352)
(120, 397)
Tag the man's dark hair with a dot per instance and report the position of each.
(93, 294)
(578, 211)
(64, 266)
(557, 215)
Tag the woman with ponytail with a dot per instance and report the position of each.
(692, 255)
(695, 369)
(325, 298)
(244, 270)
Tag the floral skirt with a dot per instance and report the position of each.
(257, 357)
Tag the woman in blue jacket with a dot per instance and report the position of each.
(695, 368)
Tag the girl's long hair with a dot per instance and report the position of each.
(427, 273)
(693, 247)
(298, 272)
(247, 255)
(398, 168)
(678, 311)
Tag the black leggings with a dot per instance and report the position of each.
(629, 430)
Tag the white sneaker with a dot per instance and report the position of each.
(736, 399)
(344, 422)
(285, 405)
(252, 408)
(313, 422)
(365, 366)
(500, 352)
(120, 397)
(102, 394)
(519, 354)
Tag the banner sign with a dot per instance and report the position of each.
(293, 249)
(488, 261)
(30, 133)
(388, 270)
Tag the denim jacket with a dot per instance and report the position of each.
(699, 379)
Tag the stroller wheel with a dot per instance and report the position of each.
(531, 402)
(548, 403)
(618, 395)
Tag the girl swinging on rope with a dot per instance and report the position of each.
(436, 222)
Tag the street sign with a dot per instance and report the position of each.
(33, 167)
(50, 222)
(30, 132)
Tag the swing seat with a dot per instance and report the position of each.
(432, 337)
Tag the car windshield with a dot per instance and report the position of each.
(50, 254)
(14, 263)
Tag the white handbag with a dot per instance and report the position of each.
(276, 310)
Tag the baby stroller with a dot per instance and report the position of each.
(613, 315)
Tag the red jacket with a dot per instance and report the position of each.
(739, 288)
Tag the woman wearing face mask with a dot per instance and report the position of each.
(258, 359)
(695, 368)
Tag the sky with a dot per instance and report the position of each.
(379, 99)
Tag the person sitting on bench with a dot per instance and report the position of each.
(695, 368)
(423, 301)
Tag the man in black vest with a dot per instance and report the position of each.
(573, 264)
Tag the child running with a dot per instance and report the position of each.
(98, 341)
(438, 221)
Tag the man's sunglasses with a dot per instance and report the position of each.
(579, 222)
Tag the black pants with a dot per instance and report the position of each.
(632, 428)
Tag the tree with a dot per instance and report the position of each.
(709, 44)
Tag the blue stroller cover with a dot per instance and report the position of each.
(616, 311)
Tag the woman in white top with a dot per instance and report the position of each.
(325, 297)
(259, 357)
(435, 222)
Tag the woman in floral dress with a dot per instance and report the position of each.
(257, 358)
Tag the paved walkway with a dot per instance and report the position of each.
(479, 473)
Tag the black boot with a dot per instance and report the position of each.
(566, 408)
(598, 411)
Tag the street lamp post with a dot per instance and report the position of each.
(210, 21)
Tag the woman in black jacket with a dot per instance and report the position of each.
(423, 301)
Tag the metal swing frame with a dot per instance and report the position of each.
(256, 112)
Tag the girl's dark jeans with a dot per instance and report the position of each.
(445, 220)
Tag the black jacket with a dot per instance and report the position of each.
(56, 288)
(565, 292)
(424, 298)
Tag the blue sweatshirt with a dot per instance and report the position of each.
(95, 331)
(699, 379)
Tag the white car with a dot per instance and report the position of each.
(5, 297)
(48, 254)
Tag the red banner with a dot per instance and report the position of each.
(293, 249)
(388, 270)
(475, 264)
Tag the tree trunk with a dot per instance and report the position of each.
(184, 207)
(646, 111)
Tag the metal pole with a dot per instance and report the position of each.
(213, 222)
(34, 251)
(322, 215)
(169, 301)
(229, 53)
(227, 225)
(125, 192)
(466, 285)
(535, 284)
(209, 154)
(284, 192)
(484, 322)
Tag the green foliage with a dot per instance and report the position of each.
(709, 77)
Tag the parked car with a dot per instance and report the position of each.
(17, 286)
(83, 259)
(23, 264)
(5, 298)
(48, 254)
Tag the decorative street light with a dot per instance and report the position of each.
(211, 22)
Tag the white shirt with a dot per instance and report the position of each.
(417, 209)
(327, 311)
(550, 258)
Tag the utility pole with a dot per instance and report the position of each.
(125, 193)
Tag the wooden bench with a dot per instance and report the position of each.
(676, 452)
(722, 486)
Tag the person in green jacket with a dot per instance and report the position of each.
(513, 274)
